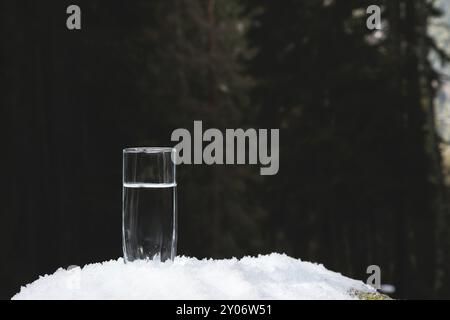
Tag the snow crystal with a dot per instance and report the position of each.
(274, 276)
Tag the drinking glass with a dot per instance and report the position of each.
(149, 204)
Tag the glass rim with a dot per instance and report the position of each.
(148, 149)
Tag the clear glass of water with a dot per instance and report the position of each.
(149, 206)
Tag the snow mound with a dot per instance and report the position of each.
(274, 276)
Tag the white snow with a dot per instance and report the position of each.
(274, 276)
